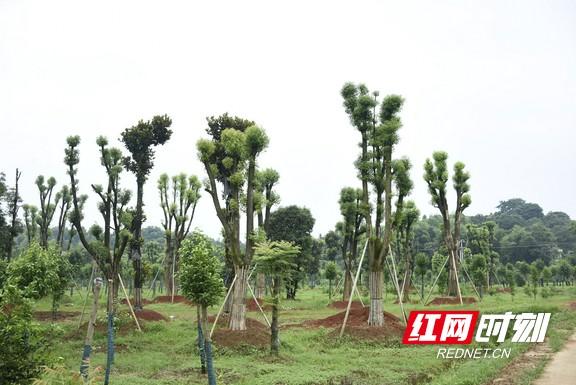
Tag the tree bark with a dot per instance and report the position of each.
(274, 333)
(238, 311)
(260, 286)
(135, 251)
(376, 316)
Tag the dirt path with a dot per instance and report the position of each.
(561, 369)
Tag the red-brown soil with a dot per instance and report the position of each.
(572, 305)
(251, 305)
(344, 304)
(150, 315)
(60, 316)
(144, 301)
(451, 301)
(256, 334)
(503, 290)
(168, 299)
(357, 325)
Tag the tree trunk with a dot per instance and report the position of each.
(407, 283)
(260, 286)
(274, 335)
(135, 253)
(453, 276)
(238, 312)
(376, 317)
(168, 266)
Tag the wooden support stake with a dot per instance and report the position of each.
(222, 306)
(353, 288)
(395, 278)
(85, 364)
(129, 304)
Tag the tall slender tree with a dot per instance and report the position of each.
(111, 239)
(379, 133)
(47, 207)
(436, 177)
(14, 202)
(230, 160)
(178, 203)
(405, 235)
(140, 141)
(30, 221)
(65, 203)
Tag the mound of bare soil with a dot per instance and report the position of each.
(572, 305)
(150, 315)
(252, 306)
(357, 325)
(344, 304)
(256, 334)
(168, 299)
(124, 301)
(503, 290)
(59, 316)
(451, 301)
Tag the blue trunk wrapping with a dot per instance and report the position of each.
(210, 366)
(110, 356)
(85, 361)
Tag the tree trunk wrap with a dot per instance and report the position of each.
(110, 341)
(201, 341)
(376, 316)
(208, 349)
(238, 312)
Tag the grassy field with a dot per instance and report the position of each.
(165, 353)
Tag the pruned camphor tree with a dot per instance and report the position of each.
(140, 141)
(111, 239)
(30, 221)
(379, 134)
(201, 282)
(47, 206)
(63, 196)
(229, 159)
(276, 259)
(178, 201)
(436, 177)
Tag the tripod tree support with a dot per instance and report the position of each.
(222, 306)
(129, 304)
(353, 289)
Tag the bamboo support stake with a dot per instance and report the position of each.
(88, 291)
(85, 364)
(222, 306)
(259, 307)
(436, 280)
(397, 286)
(457, 279)
(129, 304)
(353, 288)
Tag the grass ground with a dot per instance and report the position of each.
(165, 353)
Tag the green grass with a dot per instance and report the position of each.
(166, 353)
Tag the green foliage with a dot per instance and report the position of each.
(40, 272)
(276, 257)
(140, 140)
(200, 269)
(60, 375)
(22, 350)
(331, 271)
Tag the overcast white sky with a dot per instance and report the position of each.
(491, 82)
